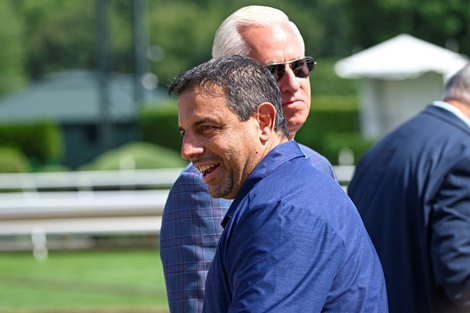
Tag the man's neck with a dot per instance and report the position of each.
(463, 107)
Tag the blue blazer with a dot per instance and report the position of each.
(412, 190)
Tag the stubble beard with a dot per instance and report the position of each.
(222, 190)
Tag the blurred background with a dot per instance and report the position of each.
(89, 143)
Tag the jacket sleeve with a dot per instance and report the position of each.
(188, 239)
(450, 239)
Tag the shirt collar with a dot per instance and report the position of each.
(277, 156)
(452, 109)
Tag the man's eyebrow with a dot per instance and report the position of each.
(204, 121)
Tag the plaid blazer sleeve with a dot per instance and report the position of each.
(188, 238)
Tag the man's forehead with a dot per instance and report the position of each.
(197, 105)
(197, 95)
(274, 43)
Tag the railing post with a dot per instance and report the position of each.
(39, 241)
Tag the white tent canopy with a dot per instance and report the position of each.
(398, 78)
(401, 57)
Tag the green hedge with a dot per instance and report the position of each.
(325, 81)
(336, 142)
(136, 155)
(333, 123)
(159, 125)
(40, 142)
(13, 161)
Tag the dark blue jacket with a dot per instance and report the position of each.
(412, 190)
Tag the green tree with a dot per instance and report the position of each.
(61, 34)
(12, 52)
(184, 31)
(444, 23)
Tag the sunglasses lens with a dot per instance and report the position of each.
(302, 68)
(277, 70)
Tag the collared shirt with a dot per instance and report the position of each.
(190, 232)
(453, 109)
(293, 242)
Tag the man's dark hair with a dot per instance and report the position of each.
(245, 82)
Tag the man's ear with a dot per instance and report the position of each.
(266, 116)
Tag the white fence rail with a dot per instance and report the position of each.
(89, 179)
(41, 205)
(89, 203)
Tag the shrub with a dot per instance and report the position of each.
(41, 142)
(136, 156)
(334, 143)
(13, 161)
(51, 168)
(324, 80)
(159, 125)
(328, 115)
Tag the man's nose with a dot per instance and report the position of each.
(191, 148)
(288, 82)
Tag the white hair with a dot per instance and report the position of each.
(458, 86)
(227, 39)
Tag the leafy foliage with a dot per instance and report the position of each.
(60, 34)
(444, 23)
(136, 156)
(41, 141)
(13, 161)
(12, 51)
(159, 124)
(324, 81)
(57, 34)
(184, 31)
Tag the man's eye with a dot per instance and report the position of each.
(206, 128)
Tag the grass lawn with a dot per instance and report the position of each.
(83, 281)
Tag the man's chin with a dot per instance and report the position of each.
(293, 126)
(217, 192)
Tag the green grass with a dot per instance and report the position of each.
(83, 281)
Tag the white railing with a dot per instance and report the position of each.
(89, 203)
(89, 179)
(40, 205)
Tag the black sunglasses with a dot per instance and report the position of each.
(301, 67)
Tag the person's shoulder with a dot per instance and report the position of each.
(309, 152)
(190, 175)
(190, 169)
(298, 177)
(318, 161)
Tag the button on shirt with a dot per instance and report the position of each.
(293, 242)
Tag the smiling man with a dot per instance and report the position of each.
(220, 143)
(191, 219)
(292, 239)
